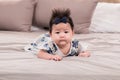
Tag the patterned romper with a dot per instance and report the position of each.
(45, 43)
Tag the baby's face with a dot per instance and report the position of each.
(62, 34)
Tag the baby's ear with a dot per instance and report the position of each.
(73, 32)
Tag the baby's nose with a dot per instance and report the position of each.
(62, 34)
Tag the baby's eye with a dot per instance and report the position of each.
(66, 32)
(57, 32)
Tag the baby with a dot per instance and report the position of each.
(59, 42)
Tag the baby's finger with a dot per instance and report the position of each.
(55, 59)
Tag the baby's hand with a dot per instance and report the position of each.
(56, 58)
(84, 54)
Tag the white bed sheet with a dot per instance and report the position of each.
(16, 64)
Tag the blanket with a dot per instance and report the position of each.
(16, 64)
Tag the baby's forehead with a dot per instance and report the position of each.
(62, 26)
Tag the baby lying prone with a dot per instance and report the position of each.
(59, 42)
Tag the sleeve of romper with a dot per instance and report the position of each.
(82, 46)
(39, 43)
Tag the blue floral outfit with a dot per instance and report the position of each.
(45, 43)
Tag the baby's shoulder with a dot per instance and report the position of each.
(43, 37)
(75, 40)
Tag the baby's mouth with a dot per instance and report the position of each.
(62, 41)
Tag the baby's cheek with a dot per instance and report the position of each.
(69, 38)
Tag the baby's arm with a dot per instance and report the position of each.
(44, 55)
(84, 54)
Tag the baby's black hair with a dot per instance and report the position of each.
(60, 16)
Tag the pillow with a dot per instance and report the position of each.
(81, 12)
(106, 18)
(16, 15)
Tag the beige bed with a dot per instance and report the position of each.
(16, 64)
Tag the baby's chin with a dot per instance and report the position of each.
(62, 43)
